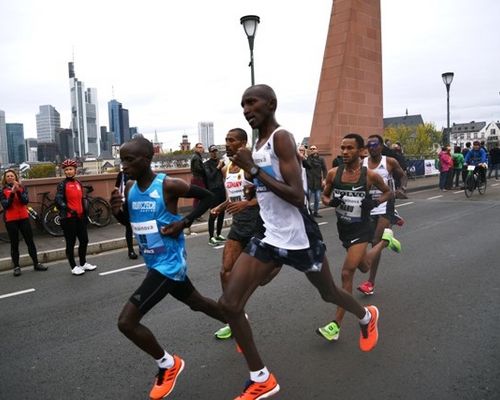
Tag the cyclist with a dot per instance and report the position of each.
(70, 202)
(477, 157)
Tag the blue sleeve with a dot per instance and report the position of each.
(484, 158)
(467, 157)
(23, 196)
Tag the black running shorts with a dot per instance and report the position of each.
(246, 224)
(155, 287)
(351, 234)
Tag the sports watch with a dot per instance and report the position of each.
(254, 171)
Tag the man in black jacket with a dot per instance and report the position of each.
(198, 171)
(316, 174)
(215, 183)
(495, 161)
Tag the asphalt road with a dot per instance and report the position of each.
(439, 325)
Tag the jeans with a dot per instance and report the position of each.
(443, 176)
(314, 197)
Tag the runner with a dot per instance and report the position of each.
(349, 184)
(152, 205)
(292, 237)
(242, 204)
(383, 216)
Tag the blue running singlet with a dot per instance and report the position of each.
(148, 214)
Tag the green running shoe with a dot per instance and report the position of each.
(394, 244)
(220, 238)
(330, 331)
(223, 333)
(213, 242)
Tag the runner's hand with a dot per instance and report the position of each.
(369, 204)
(116, 201)
(174, 229)
(336, 201)
(236, 207)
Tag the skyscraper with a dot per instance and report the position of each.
(64, 140)
(84, 116)
(47, 121)
(206, 133)
(4, 155)
(15, 143)
(118, 122)
(31, 146)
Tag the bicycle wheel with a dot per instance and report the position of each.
(99, 212)
(481, 186)
(51, 221)
(470, 184)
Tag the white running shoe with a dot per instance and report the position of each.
(78, 270)
(88, 267)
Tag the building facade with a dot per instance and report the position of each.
(118, 122)
(84, 116)
(31, 148)
(4, 154)
(467, 132)
(64, 141)
(206, 133)
(48, 120)
(15, 143)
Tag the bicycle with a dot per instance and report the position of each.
(99, 210)
(473, 180)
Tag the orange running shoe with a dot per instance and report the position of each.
(369, 333)
(165, 380)
(256, 390)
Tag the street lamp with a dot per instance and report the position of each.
(250, 23)
(447, 79)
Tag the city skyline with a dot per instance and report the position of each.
(173, 75)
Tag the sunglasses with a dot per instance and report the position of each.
(372, 144)
(313, 148)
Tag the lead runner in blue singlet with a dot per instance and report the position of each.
(152, 204)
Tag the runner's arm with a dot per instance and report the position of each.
(327, 191)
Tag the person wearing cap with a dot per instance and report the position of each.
(215, 184)
(198, 172)
(71, 205)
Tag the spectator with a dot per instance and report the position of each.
(121, 181)
(338, 161)
(458, 166)
(466, 149)
(14, 199)
(445, 166)
(198, 172)
(316, 175)
(388, 151)
(73, 215)
(494, 160)
(215, 183)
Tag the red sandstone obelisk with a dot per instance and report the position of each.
(349, 95)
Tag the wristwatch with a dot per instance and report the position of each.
(254, 171)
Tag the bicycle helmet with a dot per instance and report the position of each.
(68, 163)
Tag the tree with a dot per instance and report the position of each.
(41, 171)
(416, 141)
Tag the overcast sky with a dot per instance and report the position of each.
(174, 63)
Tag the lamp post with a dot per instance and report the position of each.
(447, 79)
(250, 23)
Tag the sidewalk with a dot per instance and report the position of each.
(112, 236)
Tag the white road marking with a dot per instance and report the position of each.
(121, 269)
(458, 191)
(405, 204)
(322, 223)
(3, 296)
(495, 184)
(218, 247)
(435, 197)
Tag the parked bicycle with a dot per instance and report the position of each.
(99, 210)
(474, 181)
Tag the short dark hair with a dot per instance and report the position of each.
(358, 138)
(242, 134)
(467, 144)
(457, 149)
(146, 145)
(380, 140)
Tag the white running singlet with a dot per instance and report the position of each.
(283, 222)
(382, 170)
